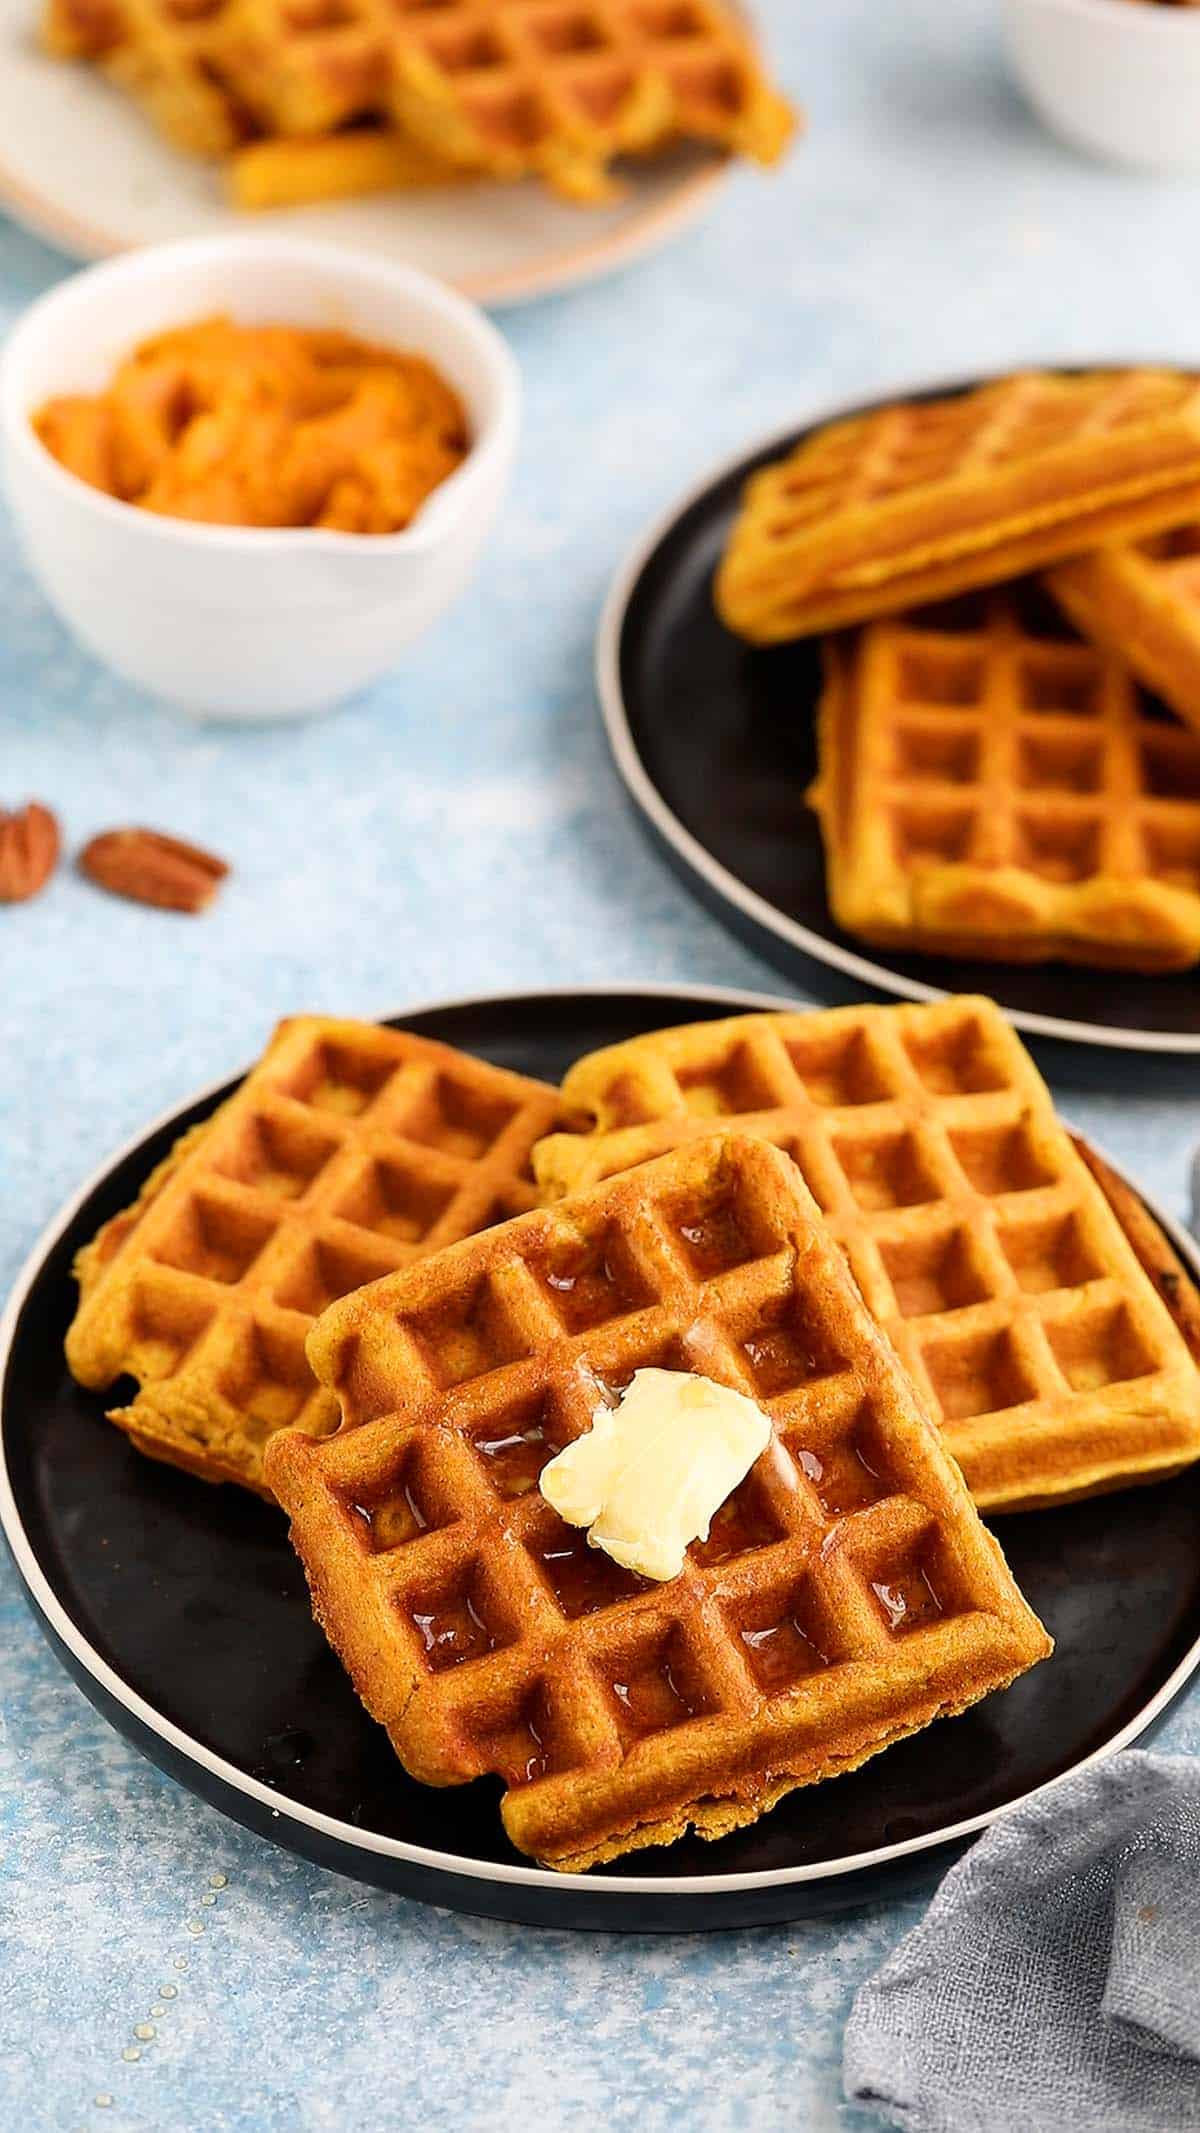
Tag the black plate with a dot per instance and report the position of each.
(716, 742)
(182, 1613)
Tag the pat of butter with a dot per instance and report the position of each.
(652, 1472)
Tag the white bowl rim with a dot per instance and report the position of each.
(445, 502)
(1147, 18)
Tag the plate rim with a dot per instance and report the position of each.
(564, 267)
(347, 1835)
(726, 886)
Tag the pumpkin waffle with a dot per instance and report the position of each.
(846, 1595)
(991, 786)
(1141, 600)
(500, 88)
(922, 499)
(977, 1236)
(347, 1152)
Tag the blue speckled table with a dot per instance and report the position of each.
(462, 830)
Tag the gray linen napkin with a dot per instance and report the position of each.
(1054, 1982)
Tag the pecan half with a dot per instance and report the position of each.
(29, 847)
(153, 869)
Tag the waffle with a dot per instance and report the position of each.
(348, 1152)
(979, 1240)
(847, 1594)
(920, 500)
(1141, 600)
(990, 786)
(502, 88)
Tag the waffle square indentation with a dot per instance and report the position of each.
(1101, 1346)
(455, 1116)
(395, 1198)
(977, 1374)
(214, 1239)
(890, 1170)
(934, 1272)
(592, 1280)
(655, 1685)
(839, 1068)
(468, 1335)
(784, 1635)
(457, 1618)
(1002, 1158)
(584, 1580)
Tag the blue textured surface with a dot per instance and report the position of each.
(462, 830)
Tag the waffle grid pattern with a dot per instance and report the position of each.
(919, 500)
(976, 1235)
(348, 1152)
(991, 785)
(846, 1594)
(1142, 600)
(498, 87)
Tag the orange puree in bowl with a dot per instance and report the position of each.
(264, 426)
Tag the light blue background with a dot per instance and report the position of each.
(462, 830)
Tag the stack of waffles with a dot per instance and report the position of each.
(1009, 731)
(308, 99)
(387, 1283)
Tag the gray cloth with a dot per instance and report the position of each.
(1054, 1982)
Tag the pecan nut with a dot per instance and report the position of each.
(29, 847)
(151, 868)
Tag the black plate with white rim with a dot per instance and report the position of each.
(183, 1614)
(715, 741)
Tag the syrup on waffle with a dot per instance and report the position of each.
(991, 786)
(847, 1593)
(976, 1234)
(1142, 601)
(349, 1151)
(923, 499)
(497, 87)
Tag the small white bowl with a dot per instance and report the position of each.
(248, 622)
(1117, 78)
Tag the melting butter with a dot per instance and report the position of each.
(652, 1472)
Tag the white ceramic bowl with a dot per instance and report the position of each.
(246, 622)
(1118, 78)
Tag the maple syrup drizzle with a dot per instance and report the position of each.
(654, 1699)
(584, 1579)
(452, 1634)
(516, 1459)
(716, 1241)
(781, 1653)
(906, 1600)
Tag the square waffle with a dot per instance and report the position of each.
(502, 88)
(981, 1243)
(1141, 600)
(922, 499)
(991, 786)
(348, 1151)
(847, 1593)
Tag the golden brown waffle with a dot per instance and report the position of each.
(847, 1594)
(349, 1151)
(916, 501)
(979, 1240)
(1142, 601)
(170, 55)
(991, 786)
(498, 87)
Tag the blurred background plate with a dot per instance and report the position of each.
(716, 742)
(81, 167)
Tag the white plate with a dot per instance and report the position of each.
(81, 166)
